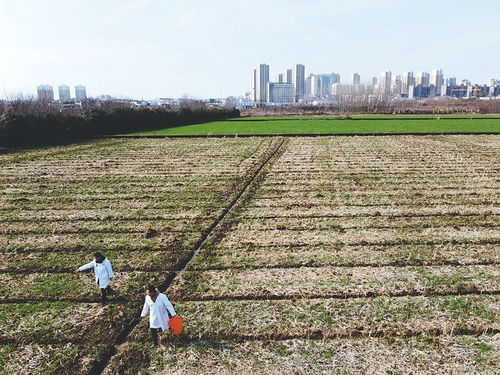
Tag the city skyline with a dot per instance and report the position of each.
(153, 48)
(327, 88)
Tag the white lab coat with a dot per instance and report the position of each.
(158, 316)
(103, 272)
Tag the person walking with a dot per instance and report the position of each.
(103, 274)
(160, 311)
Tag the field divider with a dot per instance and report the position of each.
(388, 204)
(300, 135)
(122, 338)
(290, 297)
(490, 241)
(341, 229)
(97, 300)
(368, 214)
(332, 245)
(97, 219)
(313, 335)
(88, 231)
(398, 264)
(297, 296)
(355, 333)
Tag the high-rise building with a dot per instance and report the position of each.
(309, 85)
(356, 79)
(289, 75)
(280, 93)
(437, 80)
(422, 79)
(80, 93)
(452, 81)
(374, 81)
(335, 78)
(385, 83)
(45, 93)
(261, 80)
(321, 84)
(64, 93)
(407, 80)
(396, 85)
(280, 78)
(299, 81)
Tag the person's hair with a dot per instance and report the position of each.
(151, 288)
(99, 255)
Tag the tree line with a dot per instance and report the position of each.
(32, 123)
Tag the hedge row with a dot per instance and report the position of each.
(21, 129)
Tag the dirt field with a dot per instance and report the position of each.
(328, 255)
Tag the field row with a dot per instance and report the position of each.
(68, 322)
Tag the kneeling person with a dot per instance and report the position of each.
(160, 311)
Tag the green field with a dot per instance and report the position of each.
(334, 125)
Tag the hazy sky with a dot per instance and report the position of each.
(208, 48)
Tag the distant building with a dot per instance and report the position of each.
(422, 79)
(80, 93)
(299, 81)
(356, 79)
(437, 80)
(452, 81)
(261, 80)
(289, 75)
(64, 93)
(396, 85)
(321, 84)
(407, 80)
(280, 93)
(45, 93)
(280, 78)
(340, 90)
(385, 82)
(421, 91)
(335, 78)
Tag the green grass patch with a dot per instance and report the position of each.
(330, 125)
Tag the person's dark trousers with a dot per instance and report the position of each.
(154, 335)
(104, 295)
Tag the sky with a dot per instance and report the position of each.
(146, 49)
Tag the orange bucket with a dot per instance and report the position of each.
(176, 325)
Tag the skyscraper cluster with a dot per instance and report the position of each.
(294, 86)
(290, 87)
(46, 93)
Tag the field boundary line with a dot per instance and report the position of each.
(355, 333)
(124, 301)
(122, 337)
(369, 214)
(312, 335)
(336, 245)
(396, 264)
(281, 135)
(292, 297)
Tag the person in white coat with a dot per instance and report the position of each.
(160, 311)
(103, 274)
